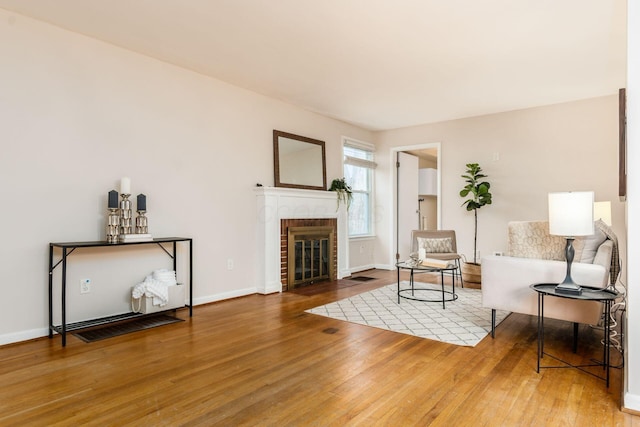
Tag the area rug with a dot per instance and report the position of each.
(121, 328)
(463, 322)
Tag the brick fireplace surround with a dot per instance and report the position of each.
(277, 204)
(284, 243)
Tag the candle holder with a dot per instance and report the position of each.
(113, 225)
(142, 226)
(126, 219)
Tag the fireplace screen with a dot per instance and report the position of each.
(310, 255)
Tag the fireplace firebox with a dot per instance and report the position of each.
(308, 252)
(310, 255)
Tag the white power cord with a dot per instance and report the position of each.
(618, 307)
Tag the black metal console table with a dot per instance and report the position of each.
(68, 247)
(589, 293)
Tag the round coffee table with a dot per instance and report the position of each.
(412, 289)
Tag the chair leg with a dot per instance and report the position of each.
(575, 337)
(460, 273)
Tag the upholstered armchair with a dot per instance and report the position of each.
(440, 245)
(535, 256)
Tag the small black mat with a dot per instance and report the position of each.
(121, 328)
(362, 278)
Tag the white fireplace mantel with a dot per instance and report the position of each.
(274, 204)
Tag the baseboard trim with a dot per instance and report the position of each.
(16, 337)
(225, 295)
(361, 268)
(631, 404)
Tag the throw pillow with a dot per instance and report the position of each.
(586, 247)
(436, 245)
(531, 239)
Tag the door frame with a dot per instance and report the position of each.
(394, 190)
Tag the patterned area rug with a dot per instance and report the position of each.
(462, 322)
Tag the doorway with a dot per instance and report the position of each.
(414, 210)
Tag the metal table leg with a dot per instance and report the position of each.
(64, 297)
(398, 282)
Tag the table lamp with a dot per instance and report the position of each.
(570, 215)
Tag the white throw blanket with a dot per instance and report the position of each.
(156, 286)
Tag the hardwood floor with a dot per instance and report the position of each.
(260, 360)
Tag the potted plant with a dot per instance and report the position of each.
(340, 186)
(477, 191)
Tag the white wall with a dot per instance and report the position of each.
(632, 366)
(361, 252)
(570, 146)
(76, 115)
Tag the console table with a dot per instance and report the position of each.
(70, 247)
(589, 293)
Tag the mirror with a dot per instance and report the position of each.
(299, 162)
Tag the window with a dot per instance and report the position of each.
(358, 172)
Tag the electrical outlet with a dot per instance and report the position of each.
(497, 253)
(85, 286)
(229, 264)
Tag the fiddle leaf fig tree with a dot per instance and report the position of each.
(477, 191)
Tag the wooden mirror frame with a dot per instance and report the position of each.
(321, 184)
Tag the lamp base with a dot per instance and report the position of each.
(569, 288)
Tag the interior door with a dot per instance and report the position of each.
(407, 208)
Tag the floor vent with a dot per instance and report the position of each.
(121, 328)
(361, 278)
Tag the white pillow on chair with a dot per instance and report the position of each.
(435, 245)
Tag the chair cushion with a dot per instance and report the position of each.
(435, 245)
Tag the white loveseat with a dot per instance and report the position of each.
(537, 257)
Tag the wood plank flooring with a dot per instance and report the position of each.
(260, 360)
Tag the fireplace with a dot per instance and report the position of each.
(307, 251)
(278, 209)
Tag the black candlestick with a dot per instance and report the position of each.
(141, 204)
(113, 199)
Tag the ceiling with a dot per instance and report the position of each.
(379, 64)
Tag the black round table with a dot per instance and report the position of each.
(589, 293)
(412, 289)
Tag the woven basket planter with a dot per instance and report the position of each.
(471, 272)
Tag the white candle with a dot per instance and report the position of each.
(422, 253)
(125, 185)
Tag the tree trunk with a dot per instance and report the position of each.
(475, 235)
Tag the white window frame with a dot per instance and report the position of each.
(361, 145)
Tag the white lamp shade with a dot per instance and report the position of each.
(571, 213)
(602, 210)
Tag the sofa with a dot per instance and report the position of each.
(535, 256)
